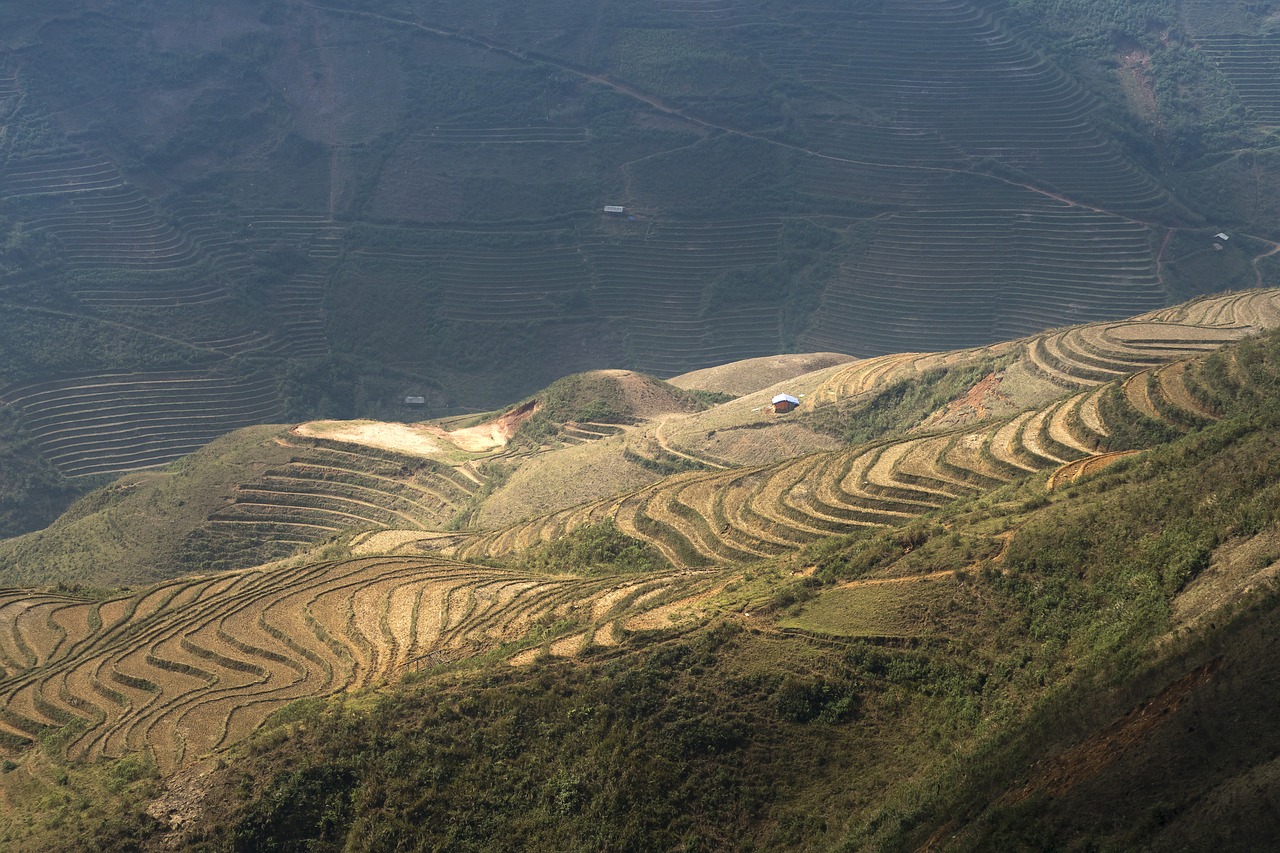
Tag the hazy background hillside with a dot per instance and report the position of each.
(260, 211)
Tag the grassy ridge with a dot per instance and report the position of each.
(1132, 384)
(133, 530)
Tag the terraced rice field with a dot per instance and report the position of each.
(993, 198)
(1136, 370)
(1252, 64)
(166, 297)
(219, 235)
(712, 14)
(298, 306)
(1084, 356)
(950, 265)
(189, 667)
(719, 511)
(653, 281)
(485, 135)
(329, 487)
(978, 87)
(723, 517)
(192, 666)
(255, 341)
(314, 234)
(110, 423)
(9, 85)
(100, 219)
(501, 285)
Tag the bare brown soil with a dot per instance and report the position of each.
(491, 434)
(413, 439)
(422, 439)
(1135, 80)
(182, 803)
(976, 404)
(525, 658)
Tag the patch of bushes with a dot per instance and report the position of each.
(900, 406)
(594, 549)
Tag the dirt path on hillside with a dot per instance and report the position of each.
(1073, 471)
(1257, 271)
(945, 573)
(667, 447)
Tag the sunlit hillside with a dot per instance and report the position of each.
(259, 213)
(917, 541)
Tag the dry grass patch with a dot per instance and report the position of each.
(681, 611)
(392, 541)
(562, 478)
(898, 607)
(1236, 569)
(754, 374)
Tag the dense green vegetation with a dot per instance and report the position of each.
(31, 491)
(594, 549)
(715, 741)
(900, 406)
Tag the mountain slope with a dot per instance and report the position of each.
(329, 205)
(933, 632)
(962, 693)
(875, 442)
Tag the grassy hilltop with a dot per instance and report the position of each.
(272, 211)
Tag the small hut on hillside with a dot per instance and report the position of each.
(783, 403)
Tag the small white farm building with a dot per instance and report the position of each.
(783, 403)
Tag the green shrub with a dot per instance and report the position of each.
(599, 548)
